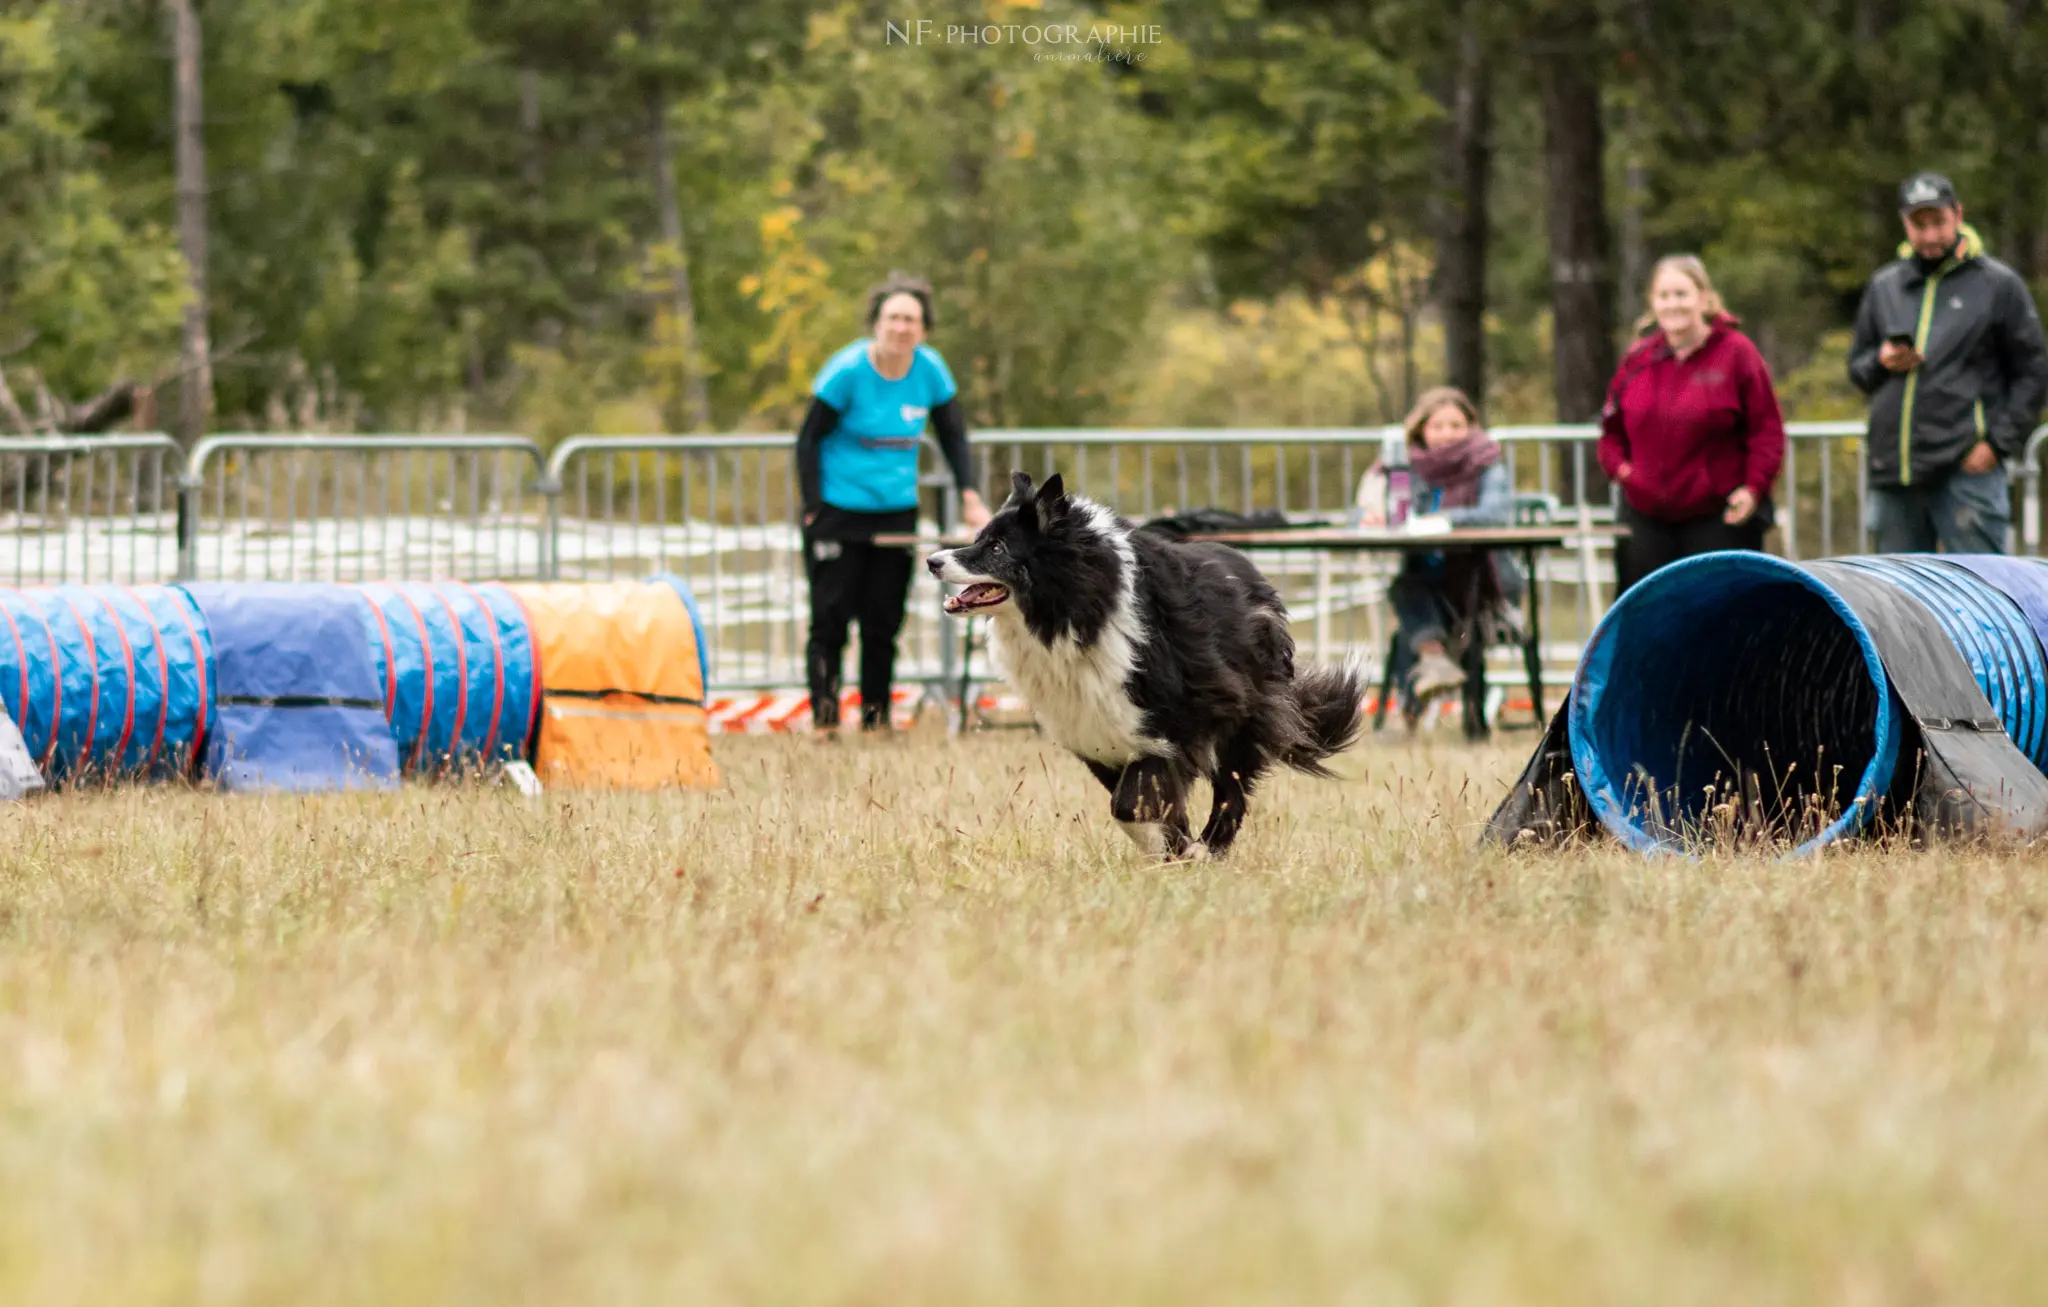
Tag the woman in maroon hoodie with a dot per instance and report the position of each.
(1691, 430)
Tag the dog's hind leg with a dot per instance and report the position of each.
(1150, 802)
(1238, 767)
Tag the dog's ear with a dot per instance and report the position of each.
(1052, 500)
(1020, 487)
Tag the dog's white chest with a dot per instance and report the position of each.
(1077, 694)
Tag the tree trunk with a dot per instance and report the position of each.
(668, 206)
(2017, 237)
(963, 238)
(10, 408)
(1882, 136)
(2019, 228)
(195, 384)
(529, 129)
(1410, 306)
(1581, 245)
(1466, 164)
(1635, 248)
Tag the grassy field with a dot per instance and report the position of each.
(910, 1023)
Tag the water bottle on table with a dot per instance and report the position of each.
(1400, 495)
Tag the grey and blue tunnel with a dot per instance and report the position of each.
(298, 699)
(1740, 695)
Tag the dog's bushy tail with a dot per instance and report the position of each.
(1332, 701)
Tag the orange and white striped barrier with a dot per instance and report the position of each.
(778, 712)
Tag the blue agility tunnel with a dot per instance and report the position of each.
(311, 686)
(299, 704)
(106, 682)
(1674, 701)
(456, 672)
(1739, 695)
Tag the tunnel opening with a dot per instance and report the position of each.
(1733, 700)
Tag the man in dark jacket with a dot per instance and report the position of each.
(1949, 348)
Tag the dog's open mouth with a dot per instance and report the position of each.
(982, 594)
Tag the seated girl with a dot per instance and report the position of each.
(1442, 599)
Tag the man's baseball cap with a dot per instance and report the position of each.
(1926, 190)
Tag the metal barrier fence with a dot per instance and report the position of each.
(88, 509)
(723, 510)
(723, 513)
(1819, 506)
(348, 508)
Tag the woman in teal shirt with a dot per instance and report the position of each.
(856, 457)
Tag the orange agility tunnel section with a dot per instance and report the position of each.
(622, 685)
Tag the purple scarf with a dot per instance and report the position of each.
(1455, 469)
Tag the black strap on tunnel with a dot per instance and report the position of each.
(295, 701)
(1973, 779)
(675, 699)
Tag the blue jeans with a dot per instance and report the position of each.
(1963, 514)
(1423, 606)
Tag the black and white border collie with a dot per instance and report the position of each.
(1155, 661)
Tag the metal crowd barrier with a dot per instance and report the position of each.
(1819, 507)
(348, 508)
(89, 509)
(723, 510)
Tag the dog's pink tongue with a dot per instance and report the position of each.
(974, 596)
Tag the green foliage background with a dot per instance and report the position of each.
(442, 216)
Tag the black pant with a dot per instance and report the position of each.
(1651, 544)
(854, 581)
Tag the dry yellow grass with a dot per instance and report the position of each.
(911, 1024)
